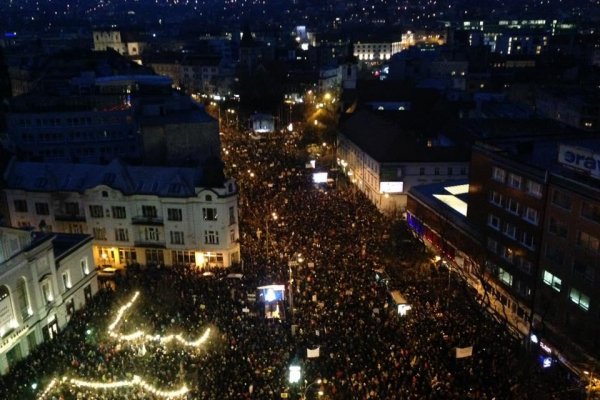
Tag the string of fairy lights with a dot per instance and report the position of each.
(136, 381)
(139, 334)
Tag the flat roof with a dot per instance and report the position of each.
(449, 199)
(542, 153)
(393, 137)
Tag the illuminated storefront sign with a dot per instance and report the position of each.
(545, 347)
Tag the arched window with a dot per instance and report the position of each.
(6, 304)
(22, 298)
(4, 293)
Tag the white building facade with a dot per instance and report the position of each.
(44, 279)
(136, 215)
(376, 52)
(387, 184)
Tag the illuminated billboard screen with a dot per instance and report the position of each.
(271, 293)
(320, 177)
(391, 187)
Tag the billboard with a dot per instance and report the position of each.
(271, 293)
(583, 160)
(391, 187)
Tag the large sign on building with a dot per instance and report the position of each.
(583, 160)
(391, 187)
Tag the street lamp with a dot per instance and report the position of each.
(231, 111)
(293, 263)
(307, 387)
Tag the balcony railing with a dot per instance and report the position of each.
(157, 244)
(141, 220)
(69, 217)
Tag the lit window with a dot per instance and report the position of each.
(553, 281)
(580, 299)
(85, 269)
(47, 292)
(505, 277)
(66, 278)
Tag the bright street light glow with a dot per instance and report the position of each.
(295, 374)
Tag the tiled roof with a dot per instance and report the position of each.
(68, 177)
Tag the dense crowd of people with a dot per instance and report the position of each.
(334, 238)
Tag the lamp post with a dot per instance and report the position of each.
(293, 263)
(217, 104)
(307, 387)
(290, 102)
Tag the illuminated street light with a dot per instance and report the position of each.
(307, 387)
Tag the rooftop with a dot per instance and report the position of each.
(398, 137)
(65, 243)
(543, 153)
(449, 199)
(68, 177)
